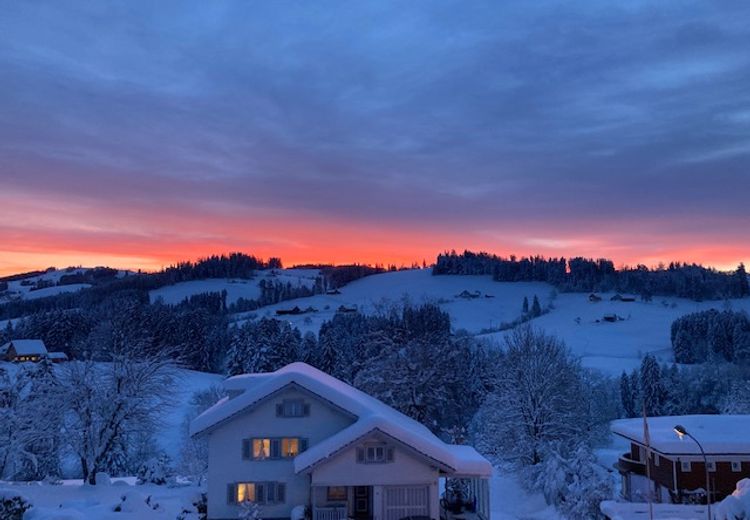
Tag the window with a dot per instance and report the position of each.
(685, 466)
(736, 466)
(289, 447)
(656, 459)
(375, 454)
(711, 466)
(337, 494)
(259, 492)
(273, 448)
(292, 408)
(261, 449)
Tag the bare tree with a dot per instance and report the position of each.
(109, 401)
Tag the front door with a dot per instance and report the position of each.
(362, 502)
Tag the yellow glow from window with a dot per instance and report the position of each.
(290, 447)
(261, 448)
(246, 492)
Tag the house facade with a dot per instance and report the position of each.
(28, 350)
(299, 437)
(672, 469)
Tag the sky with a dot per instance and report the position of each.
(136, 134)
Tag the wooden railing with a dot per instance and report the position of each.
(330, 513)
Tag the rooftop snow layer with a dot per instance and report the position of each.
(718, 434)
(26, 347)
(371, 415)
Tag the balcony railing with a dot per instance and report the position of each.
(626, 464)
(330, 513)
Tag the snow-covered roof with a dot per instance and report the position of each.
(372, 415)
(718, 434)
(57, 355)
(26, 347)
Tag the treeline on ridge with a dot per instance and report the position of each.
(585, 274)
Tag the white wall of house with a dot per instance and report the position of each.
(225, 452)
(407, 469)
(343, 468)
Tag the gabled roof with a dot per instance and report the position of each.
(26, 347)
(718, 434)
(372, 415)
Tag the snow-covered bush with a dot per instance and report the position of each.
(12, 505)
(737, 505)
(575, 484)
(135, 502)
(155, 470)
(197, 510)
(249, 511)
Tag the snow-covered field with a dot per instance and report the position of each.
(419, 286)
(24, 289)
(644, 327)
(236, 287)
(74, 501)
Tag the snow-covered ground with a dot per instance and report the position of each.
(23, 289)
(236, 287)
(74, 501)
(419, 286)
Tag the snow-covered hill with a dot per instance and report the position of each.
(486, 306)
(641, 327)
(45, 284)
(236, 287)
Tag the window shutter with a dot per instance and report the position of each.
(231, 494)
(360, 454)
(279, 410)
(275, 448)
(281, 492)
(389, 454)
(306, 409)
(246, 449)
(260, 495)
(302, 445)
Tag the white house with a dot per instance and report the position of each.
(299, 437)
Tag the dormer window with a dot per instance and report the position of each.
(375, 454)
(292, 408)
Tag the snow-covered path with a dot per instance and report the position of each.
(509, 501)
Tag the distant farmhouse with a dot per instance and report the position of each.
(676, 467)
(29, 350)
(298, 438)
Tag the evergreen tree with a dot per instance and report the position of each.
(652, 389)
(536, 309)
(525, 307)
(626, 394)
(743, 289)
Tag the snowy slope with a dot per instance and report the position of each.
(236, 288)
(614, 347)
(23, 289)
(419, 286)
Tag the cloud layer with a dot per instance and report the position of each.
(140, 133)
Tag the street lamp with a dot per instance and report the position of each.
(682, 432)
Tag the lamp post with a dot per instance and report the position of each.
(682, 432)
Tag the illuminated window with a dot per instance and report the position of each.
(274, 448)
(260, 492)
(261, 448)
(290, 447)
(337, 494)
(246, 492)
